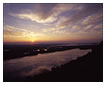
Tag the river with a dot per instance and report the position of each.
(33, 65)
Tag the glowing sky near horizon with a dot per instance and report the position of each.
(52, 22)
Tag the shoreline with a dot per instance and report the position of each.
(31, 52)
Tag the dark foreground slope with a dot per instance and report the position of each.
(88, 68)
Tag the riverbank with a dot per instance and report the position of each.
(18, 51)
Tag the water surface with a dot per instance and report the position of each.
(34, 65)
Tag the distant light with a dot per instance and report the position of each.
(45, 49)
(38, 49)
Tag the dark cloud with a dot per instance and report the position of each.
(45, 10)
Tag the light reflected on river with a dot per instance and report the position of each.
(34, 65)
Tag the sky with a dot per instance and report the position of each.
(37, 23)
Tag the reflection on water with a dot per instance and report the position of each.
(33, 65)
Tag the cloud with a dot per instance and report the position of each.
(44, 13)
(40, 13)
(93, 19)
(86, 11)
(10, 30)
(34, 17)
(13, 31)
(88, 28)
(59, 20)
(99, 26)
(75, 28)
(64, 14)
